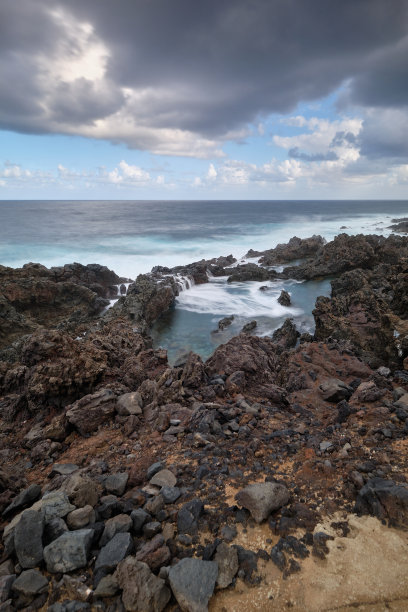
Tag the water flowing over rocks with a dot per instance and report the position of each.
(130, 484)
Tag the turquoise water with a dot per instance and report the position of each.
(192, 323)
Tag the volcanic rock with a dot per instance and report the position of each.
(68, 552)
(142, 590)
(384, 499)
(226, 558)
(91, 411)
(28, 539)
(262, 498)
(192, 582)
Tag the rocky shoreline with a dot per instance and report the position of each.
(249, 480)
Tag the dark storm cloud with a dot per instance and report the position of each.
(207, 67)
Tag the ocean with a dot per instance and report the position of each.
(131, 237)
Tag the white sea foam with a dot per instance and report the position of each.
(240, 299)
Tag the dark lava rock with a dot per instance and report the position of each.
(249, 272)
(344, 410)
(28, 539)
(188, 516)
(170, 494)
(30, 583)
(139, 517)
(192, 582)
(384, 499)
(226, 558)
(114, 552)
(225, 322)
(287, 335)
(248, 564)
(90, 411)
(284, 298)
(68, 552)
(6, 582)
(116, 483)
(25, 498)
(53, 529)
(249, 327)
(320, 548)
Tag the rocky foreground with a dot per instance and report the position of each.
(273, 476)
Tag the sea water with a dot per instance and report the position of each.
(131, 237)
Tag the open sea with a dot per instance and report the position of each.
(131, 237)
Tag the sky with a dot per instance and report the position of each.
(220, 99)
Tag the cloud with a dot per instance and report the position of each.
(123, 175)
(181, 78)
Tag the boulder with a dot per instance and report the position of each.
(116, 483)
(68, 552)
(81, 517)
(226, 558)
(142, 590)
(164, 478)
(91, 411)
(192, 582)
(24, 498)
(121, 523)
(114, 551)
(30, 583)
(28, 539)
(334, 390)
(262, 498)
(82, 490)
(129, 403)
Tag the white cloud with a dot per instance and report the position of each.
(320, 134)
(212, 173)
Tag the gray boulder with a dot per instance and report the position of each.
(192, 582)
(262, 498)
(28, 539)
(115, 551)
(54, 504)
(6, 582)
(25, 498)
(30, 583)
(69, 552)
(116, 483)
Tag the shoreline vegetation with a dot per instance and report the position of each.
(271, 476)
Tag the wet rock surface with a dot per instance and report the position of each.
(126, 483)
